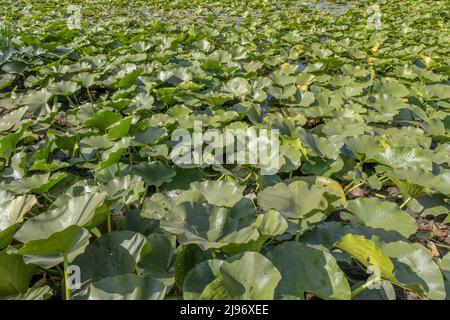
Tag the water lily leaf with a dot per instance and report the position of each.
(295, 200)
(199, 277)
(219, 193)
(6, 80)
(157, 262)
(149, 136)
(157, 206)
(238, 87)
(37, 102)
(128, 80)
(41, 293)
(282, 79)
(86, 79)
(217, 99)
(102, 120)
(367, 252)
(271, 223)
(37, 183)
(11, 120)
(14, 67)
(414, 265)
(445, 266)
(209, 226)
(429, 205)
(391, 87)
(414, 181)
(58, 242)
(188, 258)
(113, 155)
(125, 287)
(9, 141)
(441, 91)
(184, 177)
(63, 88)
(249, 276)
(67, 211)
(49, 252)
(119, 129)
(400, 157)
(125, 189)
(132, 221)
(308, 270)
(374, 213)
(115, 253)
(154, 173)
(12, 211)
(15, 275)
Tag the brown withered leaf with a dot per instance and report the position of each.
(433, 248)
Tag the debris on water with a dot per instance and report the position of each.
(358, 193)
(301, 66)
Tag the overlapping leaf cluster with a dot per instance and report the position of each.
(86, 178)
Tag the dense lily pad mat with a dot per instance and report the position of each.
(359, 208)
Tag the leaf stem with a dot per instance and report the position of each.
(51, 271)
(405, 202)
(356, 186)
(247, 177)
(365, 286)
(144, 194)
(89, 95)
(108, 218)
(75, 97)
(66, 276)
(70, 101)
(348, 186)
(441, 245)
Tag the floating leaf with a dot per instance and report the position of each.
(308, 270)
(385, 215)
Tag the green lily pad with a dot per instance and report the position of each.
(219, 193)
(67, 211)
(125, 287)
(295, 200)
(15, 274)
(414, 265)
(374, 213)
(154, 173)
(308, 270)
(248, 276)
(13, 210)
(209, 226)
(117, 253)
